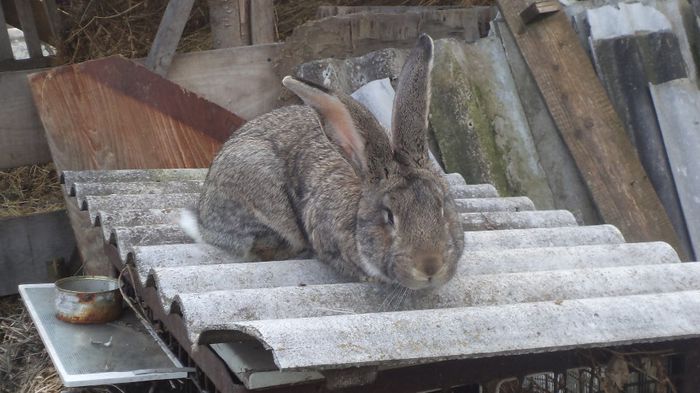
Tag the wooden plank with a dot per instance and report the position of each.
(244, 20)
(242, 80)
(53, 20)
(224, 19)
(626, 65)
(112, 113)
(28, 25)
(589, 126)
(262, 21)
(5, 45)
(324, 11)
(29, 244)
(168, 35)
(22, 140)
(357, 34)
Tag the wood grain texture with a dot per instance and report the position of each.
(589, 126)
(22, 140)
(240, 79)
(262, 22)
(168, 35)
(115, 114)
(28, 26)
(29, 244)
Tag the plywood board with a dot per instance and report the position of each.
(115, 114)
(240, 79)
(589, 126)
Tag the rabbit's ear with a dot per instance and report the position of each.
(338, 123)
(410, 115)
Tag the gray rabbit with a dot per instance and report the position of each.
(324, 179)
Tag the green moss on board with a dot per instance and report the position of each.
(462, 128)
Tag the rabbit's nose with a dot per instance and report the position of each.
(430, 265)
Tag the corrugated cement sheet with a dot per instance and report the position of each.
(529, 281)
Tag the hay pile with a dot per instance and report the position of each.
(25, 366)
(29, 189)
(94, 29)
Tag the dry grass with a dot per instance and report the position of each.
(29, 189)
(94, 29)
(25, 366)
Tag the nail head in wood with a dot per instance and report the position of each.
(539, 10)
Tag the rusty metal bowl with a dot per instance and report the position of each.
(88, 299)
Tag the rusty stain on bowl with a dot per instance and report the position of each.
(88, 299)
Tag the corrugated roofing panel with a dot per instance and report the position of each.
(586, 286)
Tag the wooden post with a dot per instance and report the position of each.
(168, 35)
(5, 45)
(225, 21)
(28, 24)
(589, 126)
(262, 21)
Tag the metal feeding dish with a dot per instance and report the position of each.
(121, 351)
(88, 299)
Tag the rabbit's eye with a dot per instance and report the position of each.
(388, 217)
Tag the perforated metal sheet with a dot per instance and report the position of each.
(80, 354)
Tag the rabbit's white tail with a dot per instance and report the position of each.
(190, 225)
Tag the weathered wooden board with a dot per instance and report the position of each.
(22, 140)
(115, 114)
(356, 34)
(565, 181)
(242, 79)
(626, 65)
(677, 106)
(169, 32)
(28, 244)
(589, 126)
(224, 19)
(262, 22)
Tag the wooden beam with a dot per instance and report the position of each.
(169, 32)
(589, 126)
(28, 25)
(5, 45)
(262, 21)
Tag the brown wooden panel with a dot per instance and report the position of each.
(115, 114)
(589, 126)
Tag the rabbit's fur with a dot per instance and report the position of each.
(324, 179)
